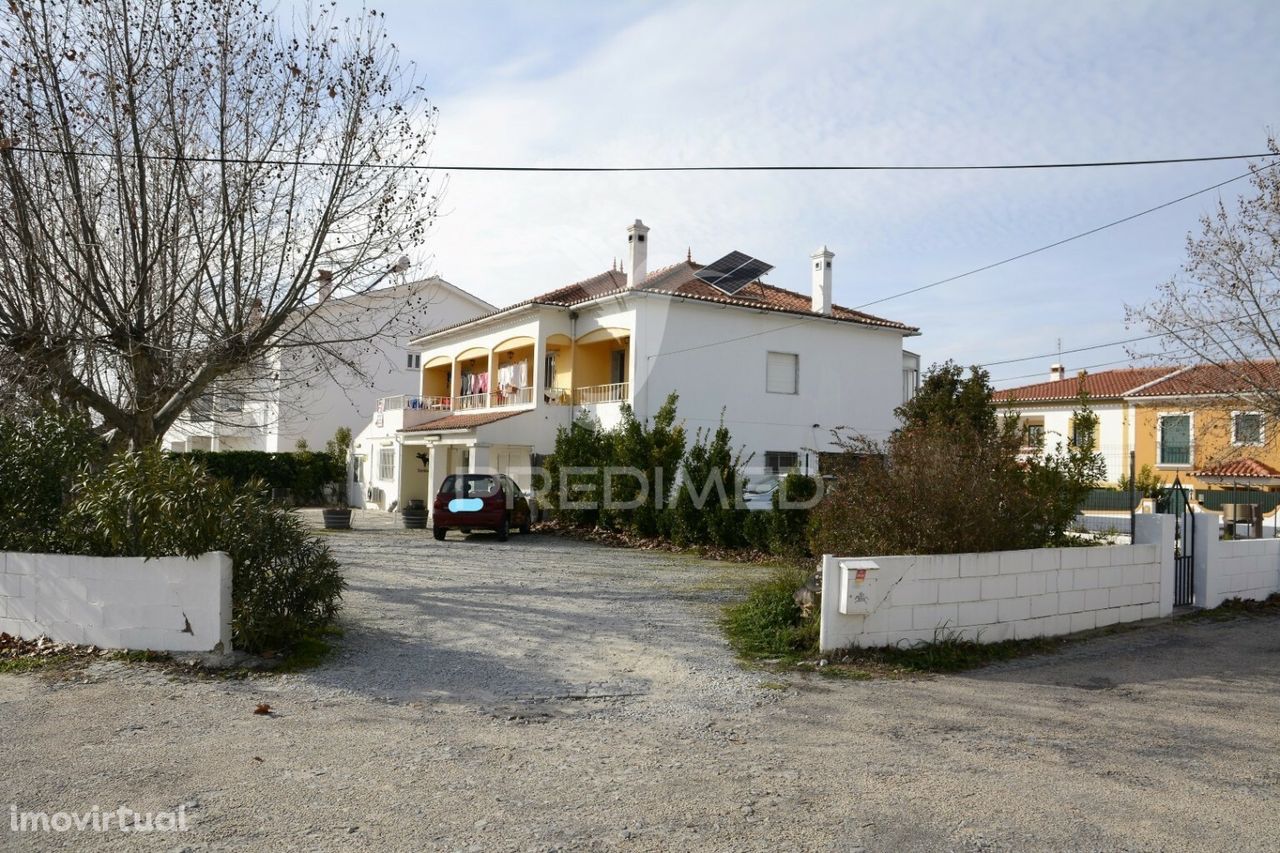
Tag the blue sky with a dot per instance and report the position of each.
(572, 83)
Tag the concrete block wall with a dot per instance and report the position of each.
(1234, 568)
(1004, 595)
(169, 604)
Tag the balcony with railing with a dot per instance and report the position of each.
(403, 411)
(615, 392)
(511, 396)
(470, 402)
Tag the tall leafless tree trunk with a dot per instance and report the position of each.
(174, 176)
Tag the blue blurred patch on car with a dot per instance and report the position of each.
(465, 505)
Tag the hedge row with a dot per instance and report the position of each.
(303, 473)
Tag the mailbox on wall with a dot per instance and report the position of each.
(858, 582)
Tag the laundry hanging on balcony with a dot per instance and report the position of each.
(511, 378)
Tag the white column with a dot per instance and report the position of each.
(1205, 561)
(1157, 529)
(481, 459)
(437, 463)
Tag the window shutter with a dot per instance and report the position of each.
(781, 369)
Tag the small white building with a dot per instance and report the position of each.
(274, 417)
(782, 367)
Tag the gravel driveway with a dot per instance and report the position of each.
(544, 694)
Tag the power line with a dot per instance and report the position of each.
(1008, 260)
(1133, 340)
(825, 167)
(1065, 240)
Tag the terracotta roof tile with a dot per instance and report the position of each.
(1105, 384)
(454, 422)
(1230, 378)
(1243, 468)
(679, 280)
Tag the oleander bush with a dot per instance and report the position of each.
(286, 585)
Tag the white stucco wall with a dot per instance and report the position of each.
(1111, 441)
(849, 376)
(1248, 569)
(166, 604)
(1000, 595)
(314, 410)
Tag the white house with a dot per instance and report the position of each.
(783, 368)
(378, 324)
(1046, 409)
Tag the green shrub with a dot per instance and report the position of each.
(711, 473)
(953, 480)
(580, 445)
(303, 472)
(286, 585)
(40, 458)
(769, 623)
(757, 531)
(789, 526)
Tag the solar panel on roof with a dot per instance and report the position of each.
(733, 272)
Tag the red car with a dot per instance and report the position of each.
(479, 501)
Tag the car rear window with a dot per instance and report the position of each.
(470, 485)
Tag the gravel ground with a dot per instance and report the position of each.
(545, 694)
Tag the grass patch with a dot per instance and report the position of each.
(946, 652)
(32, 663)
(1235, 608)
(142, 656)
(769, 623)
(310, 651)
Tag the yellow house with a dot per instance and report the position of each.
(1206, 426)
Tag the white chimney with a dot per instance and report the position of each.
(1056, 372)
(325, 278)
(637, 253)
(822, 281)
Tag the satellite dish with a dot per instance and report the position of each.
(402, 264)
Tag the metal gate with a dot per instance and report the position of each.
(1176, 501)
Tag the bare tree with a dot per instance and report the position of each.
(174, 177)
(1221, 316)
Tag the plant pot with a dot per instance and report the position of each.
(414, 519)
(337, 519)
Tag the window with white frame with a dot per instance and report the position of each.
(1173, 440)
(782, 373)
(387, 462)
(1246, 429)
(414, 360)
(357, 469)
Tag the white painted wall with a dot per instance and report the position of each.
(849, 375)
(1000, 595)
(275, 421)
(1238, 568)
(1111, 440)
(167, 604)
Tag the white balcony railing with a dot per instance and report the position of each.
(470, 401)
(618, 392)
(512, 397)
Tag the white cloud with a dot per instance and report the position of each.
(861, 83)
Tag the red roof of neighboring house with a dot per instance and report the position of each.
(457, 422)
(1101, 385)
(679, 280)
(1230, 378)
(1242, 468)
